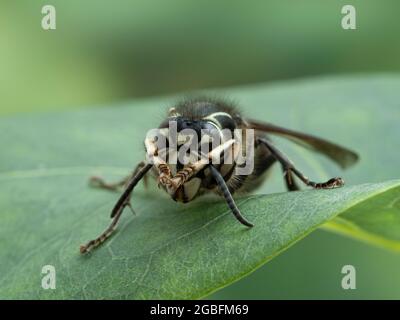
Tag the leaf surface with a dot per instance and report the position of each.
(170, 250)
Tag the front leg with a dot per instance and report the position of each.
(184, 175)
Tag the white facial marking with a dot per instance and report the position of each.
(212, 117)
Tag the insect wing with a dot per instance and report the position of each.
(341, 155)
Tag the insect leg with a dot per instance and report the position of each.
(290, 168)
(228, 197)
(190, 170)
(117, 210)
(289, 180)
(99, 182)
(164, 171)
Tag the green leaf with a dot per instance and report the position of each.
(171, 250)
(376, 221)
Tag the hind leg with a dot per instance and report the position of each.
(265, 161)
(290, 168)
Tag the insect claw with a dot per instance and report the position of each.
(83, 249)
(96, 182)
(337, 182)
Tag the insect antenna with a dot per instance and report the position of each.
(228, 196)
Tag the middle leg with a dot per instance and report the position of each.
(99, 182)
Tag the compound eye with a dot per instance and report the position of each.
(222, 120)
(209, 126)
(226, 122)
(210, 134)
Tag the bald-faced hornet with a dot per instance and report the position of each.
(218, 135)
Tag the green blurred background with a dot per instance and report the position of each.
(103, 52)
(106, 51)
